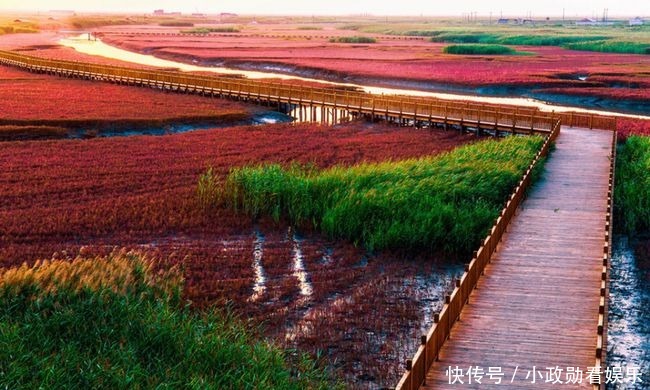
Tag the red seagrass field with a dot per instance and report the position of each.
(395, 60)
(61, 198)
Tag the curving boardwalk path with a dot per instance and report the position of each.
(537, 304)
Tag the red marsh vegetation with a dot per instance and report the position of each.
(627, 127)
(363, 314)
(311, 53)
(28, 98)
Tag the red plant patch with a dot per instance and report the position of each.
(40, 98)
(627, 127)
(418, 60)
(363, 314)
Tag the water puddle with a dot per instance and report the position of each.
(173, 128)
(299, 270)
(99, 48)
(259, 118)
(327, 256)
(259, 286)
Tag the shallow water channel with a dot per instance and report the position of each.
(629, 314)
(260, 118)
(99, 48)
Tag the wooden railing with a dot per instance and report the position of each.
(432, 342)
(601, 342)
(588, 121)
(399, 108)
(298, 34)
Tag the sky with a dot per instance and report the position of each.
(583, 8)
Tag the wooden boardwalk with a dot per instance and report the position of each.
(406, 110)
(537, 304)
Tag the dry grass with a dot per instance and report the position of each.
(121, 272)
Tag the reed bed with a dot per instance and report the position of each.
(119, 322)
(480, 49)
(632, 191)
(444, 203)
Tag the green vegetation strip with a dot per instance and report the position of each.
(480, 49)
(447, 202)
(619, 39)
(507, 39)
(207, 30)
(118, 323)
(632, 192)
(174, 23)
(611, 47)
(573, 42)
(353, 40)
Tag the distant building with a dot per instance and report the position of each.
(198, 15)
(524, 21)
(227, 15)
(587, 22)
(503, 21)
(593, 22)
(161, 12)
(636, 22)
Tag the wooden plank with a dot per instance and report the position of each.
(537, 304)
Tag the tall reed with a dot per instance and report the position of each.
(446, 202)
(632, 191)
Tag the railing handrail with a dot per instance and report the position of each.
(601, 330)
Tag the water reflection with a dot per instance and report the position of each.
(260, 276)
(299, 266)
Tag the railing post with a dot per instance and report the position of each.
(532, 123)
(423, 341)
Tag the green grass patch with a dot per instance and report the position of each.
(98, 21)
(632, 187)
(611, 47)
(174, 23)
(518, 39)
(418, 33)
(546, 40)
(447, 202)
(207, 30)
(599, 43)
(480, 49)
(353, 40)
(308, 28)
(455, 37)
(118, 323)
(551, 34)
